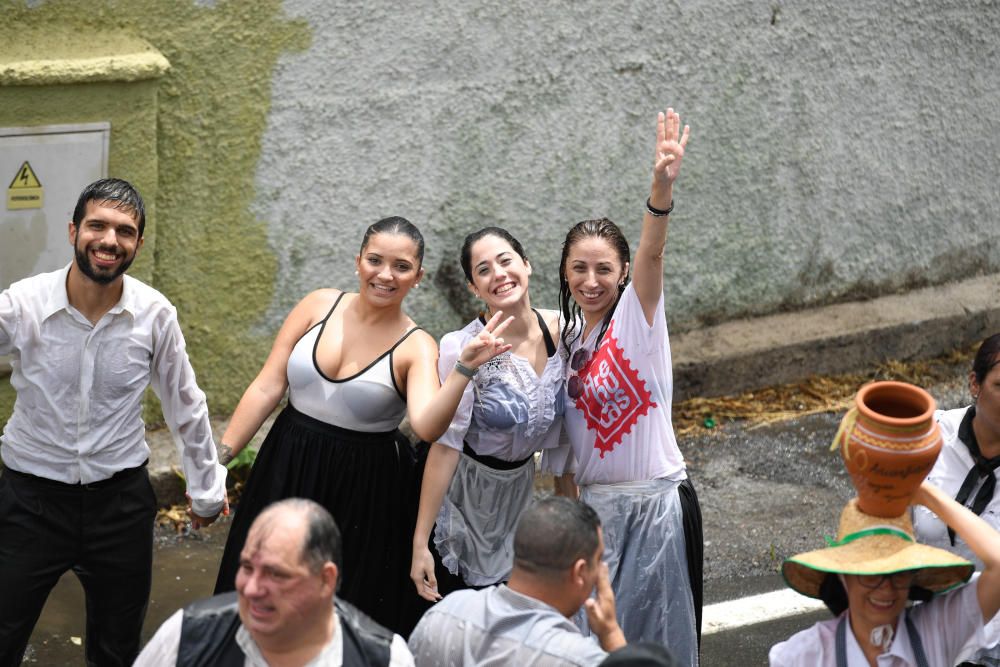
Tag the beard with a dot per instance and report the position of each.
(100, 276)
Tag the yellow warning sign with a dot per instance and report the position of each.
(25, 191)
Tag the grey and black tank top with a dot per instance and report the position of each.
(369, 401)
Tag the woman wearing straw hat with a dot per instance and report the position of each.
(872, 569)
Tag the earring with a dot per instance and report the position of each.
(355, 272)
(416, 285)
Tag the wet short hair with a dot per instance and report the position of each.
(117, 192)
(322, 542)
(396, 225)
(987, 357)
(500, 233)
(553, 533)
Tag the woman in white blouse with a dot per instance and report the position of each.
(968, 469)
(479, 475)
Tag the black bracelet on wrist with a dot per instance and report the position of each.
(462, 369)
(658, 213)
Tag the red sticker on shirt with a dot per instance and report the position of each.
(613, 396)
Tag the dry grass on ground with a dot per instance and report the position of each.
(811, 396)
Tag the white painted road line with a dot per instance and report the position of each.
(734, 614)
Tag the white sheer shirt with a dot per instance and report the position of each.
(499, 626)
(78, 413)
(507, 411)
(161, 651)
(620, 429)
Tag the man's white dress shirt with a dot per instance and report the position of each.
(78, 413)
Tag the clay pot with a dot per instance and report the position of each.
(889, 442)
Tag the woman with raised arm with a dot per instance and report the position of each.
(866, 578)
(479, 475)
(353, 366)
(619, 391)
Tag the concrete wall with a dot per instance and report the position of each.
(840, 149)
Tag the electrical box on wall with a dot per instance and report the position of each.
(43, 170)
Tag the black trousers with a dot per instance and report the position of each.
(694, 542)
(103, 532)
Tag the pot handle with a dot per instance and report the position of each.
(844, 430)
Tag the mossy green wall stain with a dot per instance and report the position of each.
(211, 255)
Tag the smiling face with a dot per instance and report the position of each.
(499, 273)
(106, 241)
(281, 598)
(388, 267)
(882, 605)
(594, 272)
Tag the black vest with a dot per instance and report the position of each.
(208, 635)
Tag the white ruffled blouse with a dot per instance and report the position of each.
(508, 411)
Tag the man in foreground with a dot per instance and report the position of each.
(283, 611)
(557, 564)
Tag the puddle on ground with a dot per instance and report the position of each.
(184, 570)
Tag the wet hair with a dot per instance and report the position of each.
(471, 239)
(322, 542)
(553, 533)
(120, 193)
(396, 225)
(987, 357)
(602, 229)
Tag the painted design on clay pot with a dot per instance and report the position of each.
(889, 441)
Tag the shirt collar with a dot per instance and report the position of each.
(332, 653)
(900, 647)
(58, 298)
(521, 601)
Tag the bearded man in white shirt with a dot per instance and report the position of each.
(86, 341)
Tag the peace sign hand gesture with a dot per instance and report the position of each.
(487, 344)
(670, 145)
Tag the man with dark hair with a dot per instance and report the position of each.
(86, 342)
(283, 611)
(557, 564)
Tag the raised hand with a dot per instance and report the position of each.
(670, 145)
(487, 344)
(601, 612)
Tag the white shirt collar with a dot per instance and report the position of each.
(58, 298)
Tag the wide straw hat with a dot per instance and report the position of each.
(875, 545)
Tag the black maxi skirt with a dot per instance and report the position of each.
(367, 482)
